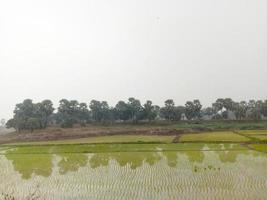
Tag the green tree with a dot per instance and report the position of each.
(209, 111)
(228, 104)
(264, 108)
(100, 110)
(83, 113)
(178, 111)
(67, 112)
(122, 111)
(150, 111)
(11, 123)
(192, 109)
(168, 111)
(218, 105)
(24, 114)
(135, 109)
(43, 111)
(240, 110)
(255, 109)
(32, 124)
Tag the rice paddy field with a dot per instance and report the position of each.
(198, 166)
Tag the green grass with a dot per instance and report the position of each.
(97, 148)
(214, 137)
(222, 125)
(255, 135)
(259, 147)
(260, 137)
(253, 132)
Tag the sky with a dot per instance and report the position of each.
(115, 49)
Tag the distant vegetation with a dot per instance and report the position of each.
(31, 116)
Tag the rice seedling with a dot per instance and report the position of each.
(197, 171)
(214, 137)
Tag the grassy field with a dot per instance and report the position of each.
(260, 137)
(259, 147)
(253, 132)
(100, 148)
(255, 135)
(222, 125)
(225, 136)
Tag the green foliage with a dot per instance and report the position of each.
(170, 112)
(150, 111)
(100, 110)
(192, 109)
(122, 111)
(135, 109)
(32, 123)
(30, 116)
(71, 112)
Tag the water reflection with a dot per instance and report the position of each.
(133, 159)
(29, 165)
(72, 162)
(171, 156)
(231, 174)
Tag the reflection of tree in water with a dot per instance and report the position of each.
(230, 155)
(171, 157)
(29, 164)
(134, 159)
(72, 162)
(195, 156)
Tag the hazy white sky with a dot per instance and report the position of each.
(115, 49)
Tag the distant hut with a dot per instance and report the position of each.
(183, 117)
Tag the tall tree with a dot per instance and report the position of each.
(255, 109)
(218, 105)
(135, 108)
(28, 115)
(192, 109)
(150, 111)
(168, 111)
(43, 111)
(228, 104)
(264, 108)
(67, 112)
(100, 110)
(122, 111)
(240, 110)
(83, 113)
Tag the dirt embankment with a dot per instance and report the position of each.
(56, 133)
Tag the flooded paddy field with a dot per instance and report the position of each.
(133, 171)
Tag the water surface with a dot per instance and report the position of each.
(203, 174)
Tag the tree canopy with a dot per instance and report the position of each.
(31, 116)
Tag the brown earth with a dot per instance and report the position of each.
(57, 133)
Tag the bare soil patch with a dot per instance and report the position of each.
(57, 133)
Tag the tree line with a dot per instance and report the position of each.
(31, 116)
